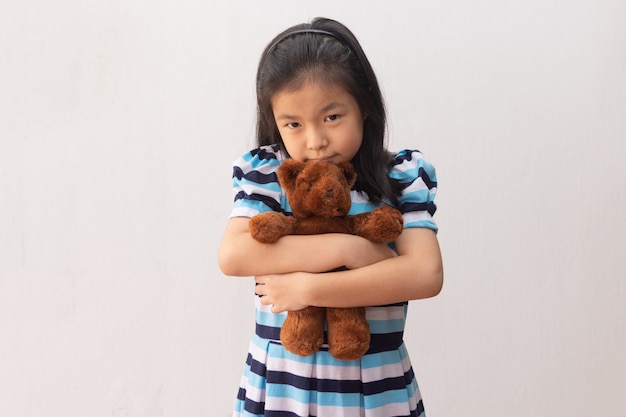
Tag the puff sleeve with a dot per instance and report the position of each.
(255, 185)
(416, 203)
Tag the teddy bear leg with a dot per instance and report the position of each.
(348, 332)
(303, 331)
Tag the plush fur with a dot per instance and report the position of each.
(319, 196)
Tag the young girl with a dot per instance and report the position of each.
(318, 100)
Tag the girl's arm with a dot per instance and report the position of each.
(241, 255)
(416, 273)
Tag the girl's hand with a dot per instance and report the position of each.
(284, 292)
(366, 253)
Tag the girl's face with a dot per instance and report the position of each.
(318, 122)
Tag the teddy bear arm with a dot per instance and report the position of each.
(271, 226)
(384, 224)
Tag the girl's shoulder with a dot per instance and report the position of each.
(261, 159)
(255, 182)
(410, 164)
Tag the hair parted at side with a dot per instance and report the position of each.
(326, 51)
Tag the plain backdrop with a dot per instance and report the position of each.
(119, 123)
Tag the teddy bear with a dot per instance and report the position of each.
(319, 196)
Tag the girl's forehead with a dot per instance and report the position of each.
(312, 88)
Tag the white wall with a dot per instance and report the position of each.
(119, 121)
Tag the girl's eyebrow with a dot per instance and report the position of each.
(330, 106)
(285, 117)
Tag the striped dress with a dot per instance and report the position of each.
(277, 383)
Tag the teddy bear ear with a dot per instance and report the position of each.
(288, 171)
(348, 172)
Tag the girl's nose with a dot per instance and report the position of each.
(316, 140)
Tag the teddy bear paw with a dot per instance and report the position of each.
(271, 226)
(383, 224)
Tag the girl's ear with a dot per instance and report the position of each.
(287, 173)
(348, 172)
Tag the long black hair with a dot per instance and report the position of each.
(326, 51)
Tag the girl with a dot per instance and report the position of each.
(318, 99)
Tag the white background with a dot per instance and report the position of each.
(119, 121)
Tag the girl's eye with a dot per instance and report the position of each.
(293, 125)
(331, 118)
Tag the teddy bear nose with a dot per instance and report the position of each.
(330, 193)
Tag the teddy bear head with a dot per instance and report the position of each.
(317, 189)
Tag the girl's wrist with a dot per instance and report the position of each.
(308, 281)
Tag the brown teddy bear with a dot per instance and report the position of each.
(319, 196)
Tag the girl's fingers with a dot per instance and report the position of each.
(259, 289)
